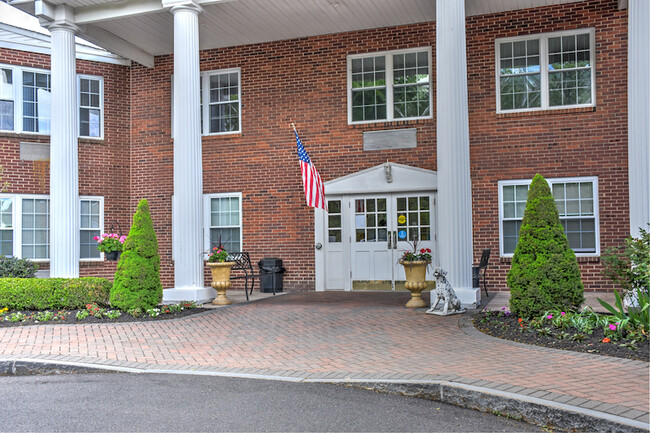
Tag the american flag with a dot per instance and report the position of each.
(311, 181)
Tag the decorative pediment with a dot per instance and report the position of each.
(388, 177)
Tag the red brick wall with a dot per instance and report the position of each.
(103, 164)
(564, 143)
(304, 81)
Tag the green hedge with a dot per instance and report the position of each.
(53, 293)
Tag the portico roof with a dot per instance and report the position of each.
(141, 29)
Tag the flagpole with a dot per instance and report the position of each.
(294, 127)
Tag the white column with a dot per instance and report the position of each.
(638, 114)
(64, 165)
(187, 236)
(454, 183)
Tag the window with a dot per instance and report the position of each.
(6, 100)
(554, 70)
(36, 228)
(90, 107)
(37, 99)
(26, 98)
(334, 221)
(389, 86)
(25, 226)
(414, 217)
(577, 203)
(90, 223)
(223, 221)
(6, 227)
(223, 105)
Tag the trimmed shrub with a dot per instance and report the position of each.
(137, 280)
(12, 267)
(544, 274)
(47, 293)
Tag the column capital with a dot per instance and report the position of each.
(56, 17)
(182, 5)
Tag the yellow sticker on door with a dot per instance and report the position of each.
(401, 219)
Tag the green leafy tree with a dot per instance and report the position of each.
(545, 273)
(628, 265)
(137, 280)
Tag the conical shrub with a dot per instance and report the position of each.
(137, 280)
(545, 273)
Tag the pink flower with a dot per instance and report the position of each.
(550, 316)
(562, 313)
(96, 238)
(612, 327)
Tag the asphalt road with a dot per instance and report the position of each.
(185, 403)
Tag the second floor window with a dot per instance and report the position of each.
(26, 100)
(393, 85)
(554, 70)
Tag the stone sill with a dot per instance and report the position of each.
(581, 259)
(546, 112)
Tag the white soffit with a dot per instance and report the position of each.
(146, 27)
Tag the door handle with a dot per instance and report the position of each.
(395, 239)
(390, 240)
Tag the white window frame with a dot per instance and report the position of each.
(101, 225)
(207, 210)
(17, 213)
(389, 84)
(205, 98)
(13, 218)
(551, 182)
(17, 73)
(543, 63)
(13, 95)
(101, 105)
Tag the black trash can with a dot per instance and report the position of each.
(271, 275)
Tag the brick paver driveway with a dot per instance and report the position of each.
(359, 335)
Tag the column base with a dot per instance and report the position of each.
(470, 298)
(200, 295)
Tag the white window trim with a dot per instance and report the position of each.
(207, 219)
(543, 59)
(205, 88)
(101, 106)
(17, 211)
(101, 257)
(551, 181)
(389, 84)
(17, 74)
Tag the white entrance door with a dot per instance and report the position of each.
(382, 228)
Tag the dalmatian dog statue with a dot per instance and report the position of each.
(446, 294)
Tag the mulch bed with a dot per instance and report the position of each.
(508, 328)
(69, 317)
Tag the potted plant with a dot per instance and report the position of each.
(110, 244)
(415, 266)
(220, 269)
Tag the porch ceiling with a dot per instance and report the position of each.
(140, 29)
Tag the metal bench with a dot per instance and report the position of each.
(243, 263)
(480, 270)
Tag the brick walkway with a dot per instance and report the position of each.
(358, 336)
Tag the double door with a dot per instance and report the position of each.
(374, 232)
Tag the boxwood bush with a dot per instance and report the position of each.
(544, 274)
(52, 293)
(12, 267)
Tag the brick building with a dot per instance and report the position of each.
(419, 126)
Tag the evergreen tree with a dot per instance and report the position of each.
(544, 274)
(137, 280)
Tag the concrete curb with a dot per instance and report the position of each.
(533, 410)
(530, 409)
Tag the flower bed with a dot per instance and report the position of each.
(93, 313)
(580, 332)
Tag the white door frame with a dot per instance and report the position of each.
(385, 178)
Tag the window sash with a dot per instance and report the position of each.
(520, 95)
(224, 221)
(7, 100)
(382, 98)
(220, 116)
(90, 101)
(581, 229)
